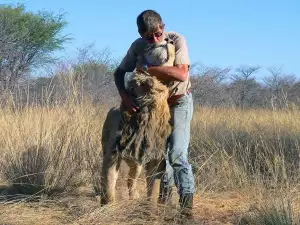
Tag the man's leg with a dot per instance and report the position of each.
(178, 151)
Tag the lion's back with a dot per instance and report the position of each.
(111, 129)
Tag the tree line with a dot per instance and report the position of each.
(29, 40)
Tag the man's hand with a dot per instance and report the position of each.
(143, 69)
(128, 102)
(139, 70)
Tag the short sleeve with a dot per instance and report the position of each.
(129, 61)
(181, 51)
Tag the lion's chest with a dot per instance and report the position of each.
(138, 140)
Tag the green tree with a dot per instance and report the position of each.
(27, 41)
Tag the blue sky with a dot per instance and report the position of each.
(219, 33)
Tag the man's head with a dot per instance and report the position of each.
(150, 26)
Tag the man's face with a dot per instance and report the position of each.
(154, 37)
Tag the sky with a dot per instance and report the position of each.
(223, 33)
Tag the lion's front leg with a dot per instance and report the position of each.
(134, 172)
(109, 176)
(154, 172)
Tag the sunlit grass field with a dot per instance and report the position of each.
(46, 149)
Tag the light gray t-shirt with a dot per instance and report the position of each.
(134, 58)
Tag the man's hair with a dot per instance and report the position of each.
(148, 21)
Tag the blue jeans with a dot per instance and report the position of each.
(179, 170)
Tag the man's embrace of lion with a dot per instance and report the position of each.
(175, 77)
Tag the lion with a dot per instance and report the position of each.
(140, 139)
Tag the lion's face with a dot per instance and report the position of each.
(140, 87)
(144, 86)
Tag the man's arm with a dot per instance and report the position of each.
(178, 72)
(127, 65)
(119, 76)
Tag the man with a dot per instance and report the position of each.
(151, 29)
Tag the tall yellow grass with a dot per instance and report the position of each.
(50, 147)
(60, 147)
(233, 148)
(43, 149)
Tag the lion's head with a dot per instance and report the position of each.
(157, 54)
(147, 90)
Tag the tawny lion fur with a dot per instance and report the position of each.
(139, 139)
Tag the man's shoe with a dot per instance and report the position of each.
(186, 205)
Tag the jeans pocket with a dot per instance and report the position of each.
(180, 115)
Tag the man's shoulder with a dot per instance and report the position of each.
(138, 44)
(175, 36)
(181, 48)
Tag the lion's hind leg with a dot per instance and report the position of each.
(109, 176)
(111, 158)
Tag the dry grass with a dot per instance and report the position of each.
(233, 149)
(273, 208)
(33, 214)
(50, 148)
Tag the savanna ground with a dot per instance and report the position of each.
(246, 166)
